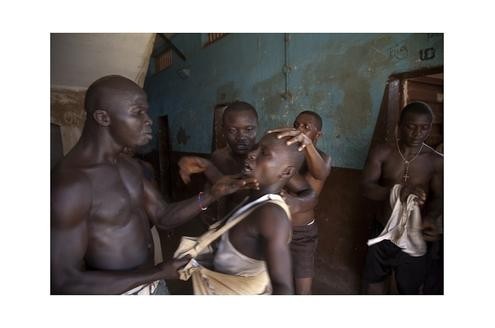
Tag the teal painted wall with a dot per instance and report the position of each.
(340, 76)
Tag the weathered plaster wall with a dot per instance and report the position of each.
(340, 76)
(67, 111)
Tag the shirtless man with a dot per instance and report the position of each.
(240, 122)
(239, 125)
(306, 131)
(264, 235)
(101, 206)
(419, 170)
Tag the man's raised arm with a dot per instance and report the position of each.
(167, 216)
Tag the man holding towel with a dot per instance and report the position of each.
(415, 169)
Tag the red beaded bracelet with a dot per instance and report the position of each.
(200, 203)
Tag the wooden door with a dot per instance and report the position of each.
(428, 89)
(425, 86)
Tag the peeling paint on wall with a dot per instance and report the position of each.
(340, 76)
(67, 111)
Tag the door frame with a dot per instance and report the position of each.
(392, 104)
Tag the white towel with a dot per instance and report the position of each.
(404, 227)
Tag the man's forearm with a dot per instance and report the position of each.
(178, 213)
(316, 164)
(212, 173)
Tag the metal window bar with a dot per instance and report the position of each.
(212, 37)
(164, 61)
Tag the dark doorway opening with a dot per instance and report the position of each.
(164, 150)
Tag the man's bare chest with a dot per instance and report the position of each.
(417, 172)
(117, 194)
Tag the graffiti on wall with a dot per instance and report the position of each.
(398, 52)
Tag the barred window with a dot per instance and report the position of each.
(212, 37)
(164, 61)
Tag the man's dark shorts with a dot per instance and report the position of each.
(303, 250)
(385, 257)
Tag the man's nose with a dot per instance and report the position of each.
(242, 135)
(147, 120)
(417, 132)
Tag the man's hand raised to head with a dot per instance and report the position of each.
(229, 184)
(296, 136)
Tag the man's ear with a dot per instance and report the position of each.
(318, 135)
(288, 172)
(101, 117)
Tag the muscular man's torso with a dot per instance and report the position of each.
(118, 229)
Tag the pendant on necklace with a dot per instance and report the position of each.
(406, 171)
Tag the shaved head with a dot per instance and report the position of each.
(104, 91)
(293, 155)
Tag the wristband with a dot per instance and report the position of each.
(200, 202)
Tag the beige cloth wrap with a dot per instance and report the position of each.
(144, 289)
(208, 282)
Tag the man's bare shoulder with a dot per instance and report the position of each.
(223, 160)
(435, 157)
(326, 158)
(71, 194)
(270, 218)
(67, 172)
(220, 155)
(381, 151)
